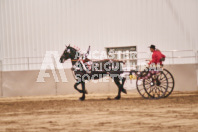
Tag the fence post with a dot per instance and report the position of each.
(172, 57)
(196, 56)
(54, 62)
(28, 61)
(1, 83)
(196, 65)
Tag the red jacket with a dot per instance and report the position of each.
(157, 55)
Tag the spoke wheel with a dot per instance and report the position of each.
(171, 82)
(140, 88)
(156, 86)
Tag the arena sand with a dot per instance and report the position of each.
(178, 113)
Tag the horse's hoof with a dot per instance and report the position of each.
(82, 98)
(117, 98)
(124, 91)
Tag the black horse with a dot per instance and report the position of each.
(94, 70)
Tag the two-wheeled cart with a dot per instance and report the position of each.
(154, 84)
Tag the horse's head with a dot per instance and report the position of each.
(69, 53)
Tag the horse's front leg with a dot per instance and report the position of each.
(80, 91)
(75, 86)
(83, 91)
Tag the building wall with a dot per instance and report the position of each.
(1, 78)
(185, 76)
(1, 83)
(23, 83)
(30, 27)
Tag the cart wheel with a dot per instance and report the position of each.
(156, 86)
(171, 82)
(140, 88)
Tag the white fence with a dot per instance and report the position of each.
(34, 63)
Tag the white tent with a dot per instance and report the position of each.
(30, 27)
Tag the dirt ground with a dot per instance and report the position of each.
(179, 112)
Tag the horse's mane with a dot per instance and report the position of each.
(74, 49)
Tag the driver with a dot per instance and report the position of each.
(157, 56)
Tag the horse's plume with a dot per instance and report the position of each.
(76, 48)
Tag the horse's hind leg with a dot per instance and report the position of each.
(117, 82)
(84, 91)
(122, 86)
(123, 80)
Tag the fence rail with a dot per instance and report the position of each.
(27, 63)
